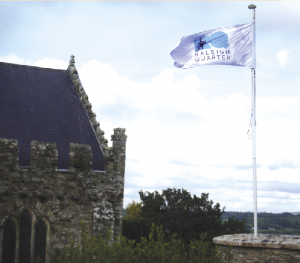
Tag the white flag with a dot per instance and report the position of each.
(231, 45)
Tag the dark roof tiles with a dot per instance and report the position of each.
(38, 104)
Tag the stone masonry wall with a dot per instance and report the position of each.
(263, 255)
(115, 164)
(63, 197)
(246, 248)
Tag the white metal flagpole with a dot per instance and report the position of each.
(253, 119)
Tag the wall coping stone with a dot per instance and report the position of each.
(261, 241)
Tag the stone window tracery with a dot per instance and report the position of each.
(9, 241)
(32, 241)
(40, 241)
(25, 237)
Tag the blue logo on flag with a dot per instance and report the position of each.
(217, 40)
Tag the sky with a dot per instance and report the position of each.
(186, 128)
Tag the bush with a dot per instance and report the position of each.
(135, 230)
(94, 249)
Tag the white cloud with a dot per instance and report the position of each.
(174, 121)
(101, 83)
(51, 63)
(45, 63)
(170, 118)
(283, 56)
(13, 58)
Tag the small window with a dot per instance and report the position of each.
(25, 237)
(9, 242)
(40, 241)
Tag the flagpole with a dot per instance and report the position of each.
(253, 121)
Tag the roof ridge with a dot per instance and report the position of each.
(86, 104)
(28, 66)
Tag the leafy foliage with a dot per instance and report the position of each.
(178, 212)
(234, 226)
(133, 211)
(134, 227)
(156, 249)
(135, 230)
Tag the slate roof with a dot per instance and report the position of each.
(39, 104)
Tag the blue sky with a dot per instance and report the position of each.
(186, 128)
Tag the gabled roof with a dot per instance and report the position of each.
(42, 104)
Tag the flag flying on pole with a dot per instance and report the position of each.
(231, 45)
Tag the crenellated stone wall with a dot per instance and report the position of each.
(64, 197)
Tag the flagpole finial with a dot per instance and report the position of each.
(252, 6)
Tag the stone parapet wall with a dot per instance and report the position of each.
(261, 249)
(63, 197)
(9, 155)
(263, 255)
(44, 155)
(81, 158)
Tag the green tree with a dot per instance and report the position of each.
(178, 212)
(133, 211)
(135, 230)
(134, 227)
(234, 226)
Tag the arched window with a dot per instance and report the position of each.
(25, 237)
(40, 241)
(9, 242)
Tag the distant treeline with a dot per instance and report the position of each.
(284, 221)
(243, 215)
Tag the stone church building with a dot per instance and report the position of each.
(56, 168)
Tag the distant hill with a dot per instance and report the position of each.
(270, 223)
